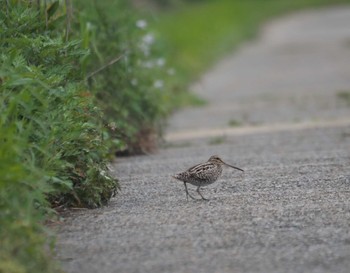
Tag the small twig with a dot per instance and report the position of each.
(105, 66)
(7, 7)
(46, 15)
(69, 9)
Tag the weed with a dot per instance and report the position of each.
(217, 140)
(234, 123)
(344, 96)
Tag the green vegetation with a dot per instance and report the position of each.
(52, 148)
(217, 140)
(134, 91)
(72, 91)
(198, 34)
(344, 96)
(234, 123)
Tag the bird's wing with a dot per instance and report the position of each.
(201, 171)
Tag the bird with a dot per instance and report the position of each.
(203, 174)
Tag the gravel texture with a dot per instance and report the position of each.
(289, 211)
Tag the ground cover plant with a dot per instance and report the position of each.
(134, 87)
(52, 148)
(74, 88)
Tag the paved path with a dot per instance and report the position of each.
(291, 74)
(289, 212)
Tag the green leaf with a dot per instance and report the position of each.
(64, 185)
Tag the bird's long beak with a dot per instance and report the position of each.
(233, 167)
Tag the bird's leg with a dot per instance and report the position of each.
(187, 193)
(201, 194)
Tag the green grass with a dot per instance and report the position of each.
(217, 140)
(344, 96)
(199, 34)
(234, 123)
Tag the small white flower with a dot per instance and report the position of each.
(148, 64)
(158, 84)
(89, 26)
(148, 39)
(134, 82)
(112, 126)
(160, 62)
(171, 71)
(145, 49)
(126, 59)
(142, 24)
(105, 175)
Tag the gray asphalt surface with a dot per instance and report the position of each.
(289, 212)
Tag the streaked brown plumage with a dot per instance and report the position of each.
(203, 174)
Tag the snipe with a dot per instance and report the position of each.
(203, 174)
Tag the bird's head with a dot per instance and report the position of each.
(217, 160)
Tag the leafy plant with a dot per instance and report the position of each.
(234, 123)
(344, 96)
(129, 77)
(53, 149)
(217, 140)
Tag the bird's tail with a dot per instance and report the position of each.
(176, 176)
